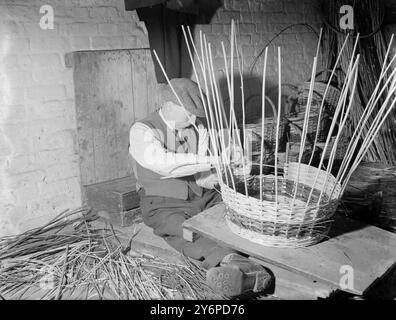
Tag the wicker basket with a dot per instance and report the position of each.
(297, 112)
(269, 131)
(280, 224)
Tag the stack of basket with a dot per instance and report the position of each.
(296, 115)
(254, 130)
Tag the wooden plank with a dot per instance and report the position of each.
(83, 81)
(112, 89)
(152, 85)
(139, 83)
(369, 250)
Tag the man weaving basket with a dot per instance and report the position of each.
(175, 182)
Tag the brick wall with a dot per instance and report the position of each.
(259, 21)
(38, 156)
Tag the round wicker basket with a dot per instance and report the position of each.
(285, 222)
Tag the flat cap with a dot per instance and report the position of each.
(188, 93)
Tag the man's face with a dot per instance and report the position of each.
(181, 117)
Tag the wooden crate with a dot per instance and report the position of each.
(117, 197)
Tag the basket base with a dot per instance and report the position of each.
(274, 241)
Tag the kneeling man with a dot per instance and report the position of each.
(175, 182)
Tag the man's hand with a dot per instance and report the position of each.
(203, 140)
(207, 179)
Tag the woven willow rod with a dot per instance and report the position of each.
(263, 122)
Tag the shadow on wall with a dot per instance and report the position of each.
(163, 20)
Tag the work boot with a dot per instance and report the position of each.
(237, 275)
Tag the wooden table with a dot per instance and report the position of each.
(363, 252)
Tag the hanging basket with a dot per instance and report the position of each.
(278, 220)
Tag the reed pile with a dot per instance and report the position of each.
(70, 259)
(368, 19)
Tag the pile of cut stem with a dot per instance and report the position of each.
(69, 259)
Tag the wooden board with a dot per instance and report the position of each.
(370, 251)
(113, 89)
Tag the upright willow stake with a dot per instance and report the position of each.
(324, 98)
(304, 131)
(277, 126)
(262, 122)
(333, 123)
(240, 68)
(366, 114)
(340, 129)
(199, 87)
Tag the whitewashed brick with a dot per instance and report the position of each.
(16, 112)
(9, 62)
(58, 140)
(129, 41)
(80, 43)
(106, 42)
(51, 109)
(48, 76)
(16, 79)
(12, 45)
(76, 13)
(46, 60)
(25, 179)
(80, 29)
(24, 62)
(104, 13)
(20, 164)
(59, 156)
(108, 29)
(62, 171)
(58, 188)
(46, 93)
(5, 146)
(26, 193)
(47, 43)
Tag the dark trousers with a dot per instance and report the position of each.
(166, 216)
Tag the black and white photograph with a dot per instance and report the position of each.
(218, 151)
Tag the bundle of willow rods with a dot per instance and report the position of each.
(368, 18)
(69, 259)
(304, 198)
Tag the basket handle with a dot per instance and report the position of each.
(328, 71)
(266, 98)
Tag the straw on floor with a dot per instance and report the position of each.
(70, 259)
